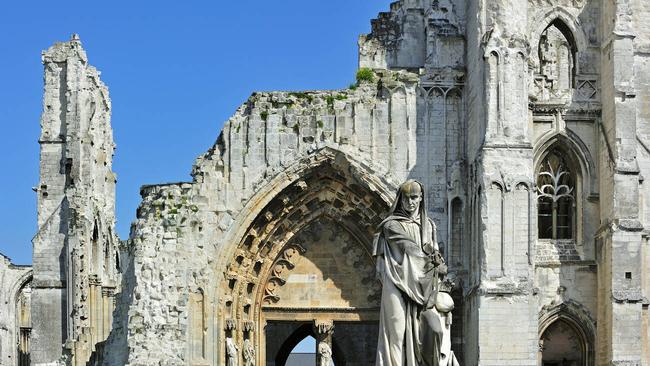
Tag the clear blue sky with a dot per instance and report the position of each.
(176, 70)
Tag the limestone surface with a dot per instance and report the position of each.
(527, 122)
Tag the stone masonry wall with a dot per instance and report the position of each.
(620, 251)
(177, 245)
(641, 10)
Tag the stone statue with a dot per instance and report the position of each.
(249, 353)
(231, 352)
(413, 325)
(324, 354)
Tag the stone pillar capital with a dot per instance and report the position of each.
(323, 327)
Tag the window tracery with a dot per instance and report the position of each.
(555, 196)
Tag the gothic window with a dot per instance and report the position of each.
(456, 217)
(94, 241)
(555, 194)
(556, 60)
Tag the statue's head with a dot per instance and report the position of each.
(410, 197)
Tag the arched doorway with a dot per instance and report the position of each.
(566, 336)
(328, 285)
(284, 339)
(561, 345)
(304, 353)
(304, 261)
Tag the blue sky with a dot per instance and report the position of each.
(175, 71)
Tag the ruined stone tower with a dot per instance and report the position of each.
(526, 121)
(75, 250)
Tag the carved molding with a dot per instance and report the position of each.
(564, 3)
(280, 268)
(324, 185)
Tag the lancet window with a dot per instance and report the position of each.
(555, 198)
(556, 52)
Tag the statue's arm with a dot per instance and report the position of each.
(437, 258)
(431, 245)
(434, 235)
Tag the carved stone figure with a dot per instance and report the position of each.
(249, 353)
(548, 58)
(413, 329)
(324, 354)
(231, 352)
(556, 64)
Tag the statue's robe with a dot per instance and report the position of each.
(410, 329)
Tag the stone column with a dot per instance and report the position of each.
(95, 308)
(108, 297)
(504, 168)
(323, 329)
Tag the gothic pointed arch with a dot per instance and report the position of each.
(21, 296)
(567, 22)
(558, 42)
(569, 328)
(329, 205)
(291, 342)
(301, 332)
(366, 177)
(577, 152)
(564, 182)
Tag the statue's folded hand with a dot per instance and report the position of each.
(429, 248)
(437, 258)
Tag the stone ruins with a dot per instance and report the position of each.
(527, 122)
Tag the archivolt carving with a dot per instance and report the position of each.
(336, 190)
(281, 266)
(565, 3)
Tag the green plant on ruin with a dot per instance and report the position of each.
(365, 75)
(264, 115)
(352, 86)
(341, 97)
(320, 124)
(330, 101)
(302, 95)
(277, 104)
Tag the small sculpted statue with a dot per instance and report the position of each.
(249, 353)
(414, 317)
(324, 354)
(231, 352)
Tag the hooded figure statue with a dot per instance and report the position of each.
(408, 265)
